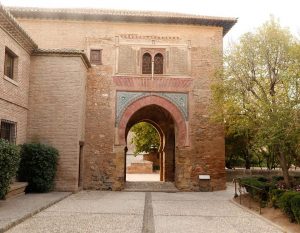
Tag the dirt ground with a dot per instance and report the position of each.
(274, 215)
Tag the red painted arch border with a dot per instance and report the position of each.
(182, 134)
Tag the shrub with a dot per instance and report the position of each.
(257, 184)
(295, 205)
(275, 194)
(285, 203)
(9, 163)
(277, 178)
(38, 166)
(262, 179)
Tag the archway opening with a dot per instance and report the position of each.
(162, 121)
(143, 157)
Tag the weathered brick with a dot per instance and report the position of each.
(67, 106)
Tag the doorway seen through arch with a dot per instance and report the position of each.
(155, 161)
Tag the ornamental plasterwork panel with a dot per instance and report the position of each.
(124, 99)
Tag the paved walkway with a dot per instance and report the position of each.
(113, 212)
(12, 211)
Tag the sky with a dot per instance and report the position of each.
(250, 13)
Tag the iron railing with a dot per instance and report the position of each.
(242, 189)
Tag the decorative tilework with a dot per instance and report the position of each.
(125, 98)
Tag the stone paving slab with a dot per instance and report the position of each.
(192, 196)
(150, 212)
(100, 202)
(196, 224)
(197, 208)
(15, 210)
(91, 223)
(101, 206)
(97, 195)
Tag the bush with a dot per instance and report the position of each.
(275, 194)
(295, 205)
(9, 163)
(277, 178)
(38, 166)
(262, 179)
(285, 203)
(257, 184)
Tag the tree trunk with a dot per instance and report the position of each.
(247, 159)
(247, 163)
(285, 169)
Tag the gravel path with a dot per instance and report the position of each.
(113, 212)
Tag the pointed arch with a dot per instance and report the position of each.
(158, 63)
(146, 63)
(182, 134)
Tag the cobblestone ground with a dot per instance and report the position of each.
(96, 211)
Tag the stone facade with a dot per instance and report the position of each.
(86, 112)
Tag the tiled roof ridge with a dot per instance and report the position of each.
(63, 51)
(94, 14)
(14, 23)
(119, 12)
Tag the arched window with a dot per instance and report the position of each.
(158, 64)
(146, 64)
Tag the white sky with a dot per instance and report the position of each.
(251, 13)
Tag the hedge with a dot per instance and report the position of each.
(9, 163)
(295, 206)
(38, 166)
(260, 183)
(288, 201)
(275, 194)
(286, 205)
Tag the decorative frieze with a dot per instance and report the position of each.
(150, 37)
(124, 99)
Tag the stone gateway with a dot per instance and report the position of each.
(79, 79)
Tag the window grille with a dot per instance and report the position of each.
(8, 131)
(9, 64)
(96, 56)
(146, 63)
(158, 64)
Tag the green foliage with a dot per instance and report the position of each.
(156, 167)
(277, 178)
(38, 166)
(258, 91)
(257, 187)
(275, 194)
(145, 137)
(285, 203)
(295, 205)
(237, 151)
(9, 163)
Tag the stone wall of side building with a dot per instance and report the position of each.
(104, 159)
(14, 92)
(57, 111)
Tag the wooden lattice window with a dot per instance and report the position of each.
(8, 131)
(158, 64)
(146, 63)
(96, 56)
(9, 64)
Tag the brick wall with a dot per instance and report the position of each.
(14, 94)
(104, 158)
(56, 115)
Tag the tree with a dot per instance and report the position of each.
(258, 91)
(145, 137)
(238, 151)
